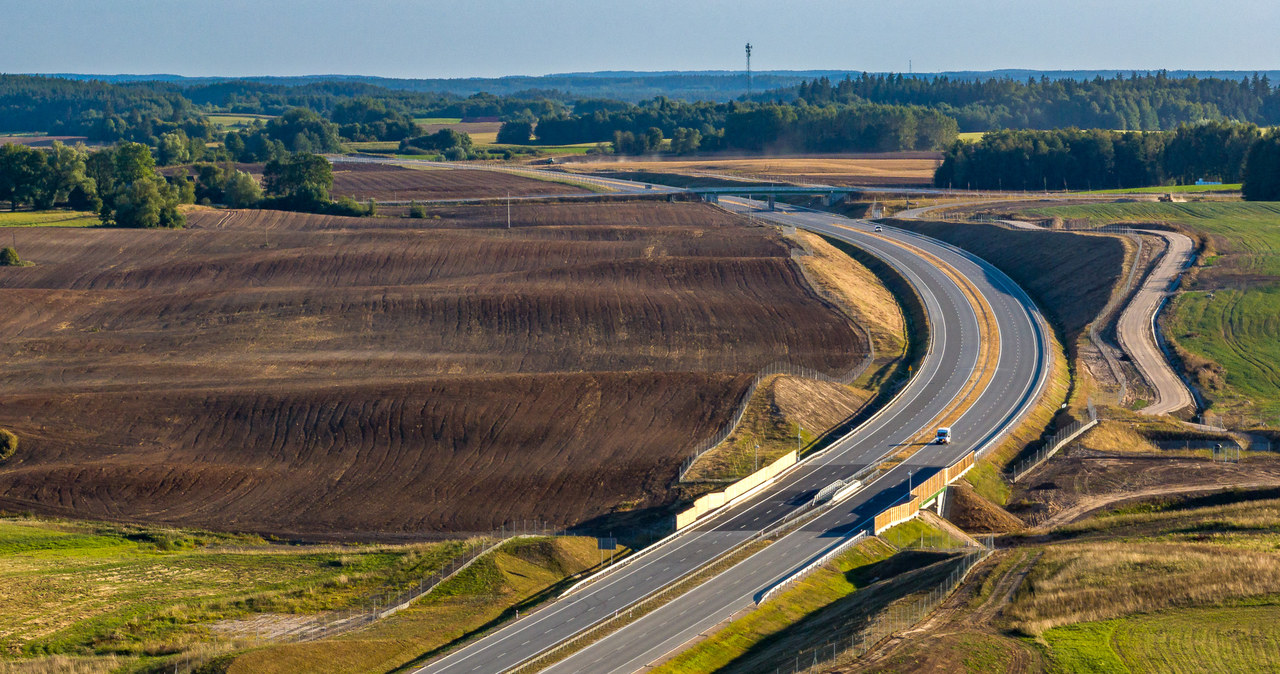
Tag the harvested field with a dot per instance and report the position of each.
(903, 168)
(309, 374)
(387, 181)
(381, 181)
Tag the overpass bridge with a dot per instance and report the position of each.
(830, 194)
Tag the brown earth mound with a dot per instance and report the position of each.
(1071, 276)
(977, 515)
(321, 375)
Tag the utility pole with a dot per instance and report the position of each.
(508, 210)
(748, 71)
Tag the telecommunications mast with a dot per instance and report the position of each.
(748, 71)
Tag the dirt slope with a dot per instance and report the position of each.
(314, 374)
(1070, 275)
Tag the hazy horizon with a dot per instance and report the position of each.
(497, 38)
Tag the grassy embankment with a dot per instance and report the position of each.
(517, 577)
(1224, 325)
(808, 612)
(107, 591)
(790, 412)
(49, 219)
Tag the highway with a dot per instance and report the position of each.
(1022, 370)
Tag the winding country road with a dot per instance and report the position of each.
(1136, 328)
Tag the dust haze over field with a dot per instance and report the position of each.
(306, 374)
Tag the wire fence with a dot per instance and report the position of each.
(383, 604)
(1055, 442)
(854, 642)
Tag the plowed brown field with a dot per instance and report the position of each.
(320, 375)
(388, 181)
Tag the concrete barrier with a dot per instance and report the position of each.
(716, 500)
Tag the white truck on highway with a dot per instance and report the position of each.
(944, 436)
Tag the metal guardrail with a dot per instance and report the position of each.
(809, 568)
(1056, 442)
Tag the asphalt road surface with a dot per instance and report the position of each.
(1022, 370)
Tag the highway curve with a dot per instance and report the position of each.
(1022, 371)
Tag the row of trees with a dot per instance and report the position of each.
(753, 127)
(1148, 102)
(1099, 159)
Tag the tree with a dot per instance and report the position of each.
(652, 140)
(1262, 170)
(66, 176)
(686, 141)
(9, 257)
(140, 196)
(515, 133)
(442, 140)
(8, 443)
(174, 148)
(302, 130)
(242, 191)
(301, 182)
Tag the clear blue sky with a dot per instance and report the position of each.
(488, 38)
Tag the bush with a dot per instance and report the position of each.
(347, 206)
(9, 257)
(417, 211)
(8, 443)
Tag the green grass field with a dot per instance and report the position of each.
(49, 219)
(228, 122)
(1173, 189)
(437, 120)
(1231, 313)
(518, 576)
(94, 589)
(1228, 639)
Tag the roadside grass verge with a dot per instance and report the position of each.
(843, 576)
(518, 576)
(917, 533)
(811, 610)
(83, 588)
(49, 219)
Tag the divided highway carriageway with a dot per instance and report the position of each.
(1022, 371)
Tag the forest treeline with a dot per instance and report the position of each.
(1099, 159)
(1147, 102)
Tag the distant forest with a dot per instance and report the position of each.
(853, 113)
